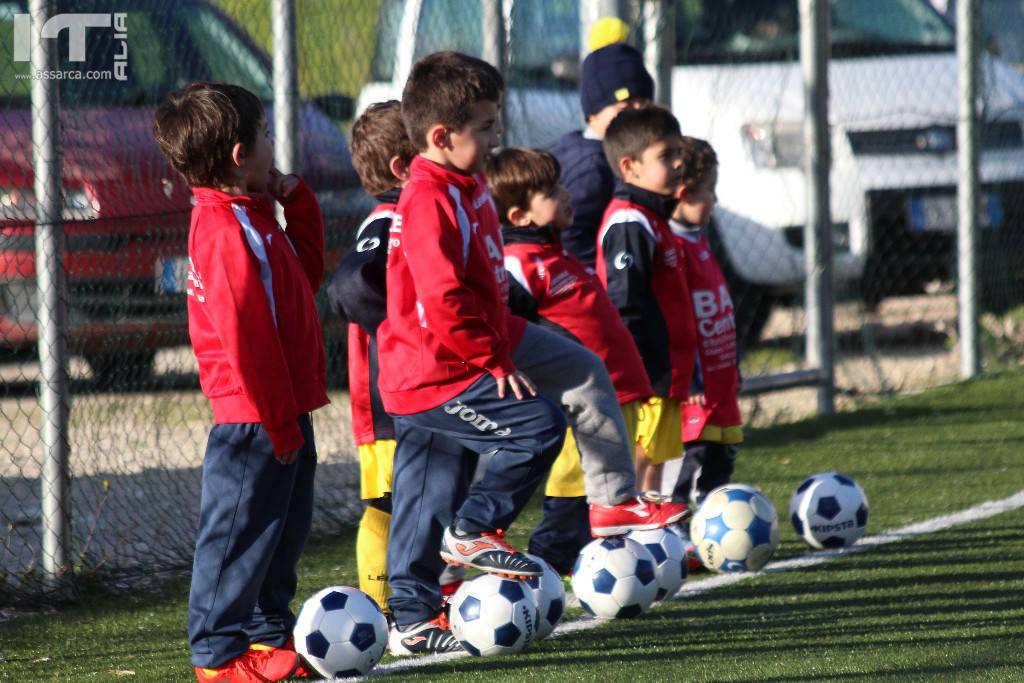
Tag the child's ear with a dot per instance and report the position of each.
(518, 217)
(399, 168)
(239, 154)
(626, 166)
(438, 136)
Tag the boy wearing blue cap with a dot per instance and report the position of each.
(613, 78)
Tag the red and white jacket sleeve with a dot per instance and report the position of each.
(454, 313)
(241, 314)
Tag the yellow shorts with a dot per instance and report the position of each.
(566, 478)
(660, 429)
(376, 461)
(730, 435)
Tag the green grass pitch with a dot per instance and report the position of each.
(940, 606)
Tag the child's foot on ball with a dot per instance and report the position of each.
(487, 551)
(636, 514)
(425, 637)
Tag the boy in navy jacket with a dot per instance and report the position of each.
(613, 78)
(256, 336)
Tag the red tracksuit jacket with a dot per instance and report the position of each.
(251, 316)
(447, 292)
(641, 267)
(716, 326)
(554, 289)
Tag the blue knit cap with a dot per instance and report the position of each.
(611, 74)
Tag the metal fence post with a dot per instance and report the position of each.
(286, 87)
(967, 23)
(659, 25)
(495, 44)
(52, 309)
(814, 58)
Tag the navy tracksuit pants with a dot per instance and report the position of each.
(254, 517)
(525, 436)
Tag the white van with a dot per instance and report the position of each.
(737, 83)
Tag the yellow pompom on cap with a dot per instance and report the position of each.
(607, 31)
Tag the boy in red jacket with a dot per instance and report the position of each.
(710, 451)
(552, 288)
(256, 336)
(641, 266)
(450, 351)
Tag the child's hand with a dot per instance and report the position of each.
(518, 382)
(289, 458)
(280, 185)
(696, 400)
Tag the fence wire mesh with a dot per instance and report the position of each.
(138, 422)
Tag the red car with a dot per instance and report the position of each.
(126, 210)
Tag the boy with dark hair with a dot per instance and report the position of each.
(553, 289)
(641, 266)
(450, 351)
(256, 336)
(715, 425)
(381, 154)
(612, 78)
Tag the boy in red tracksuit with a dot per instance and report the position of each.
(452, 359)
(381, 154)
(554, 289)
(642, 268)
(256, 336)
(711, 442)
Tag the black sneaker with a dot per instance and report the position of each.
(487, 551)
(426, 637)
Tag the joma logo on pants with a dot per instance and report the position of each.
(481, 422)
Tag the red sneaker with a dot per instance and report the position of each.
(301, 671)
(238, 670)
(638, 514)
(273, 663)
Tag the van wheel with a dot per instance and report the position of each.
(130, 370)
(753, 302)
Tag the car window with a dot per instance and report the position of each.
(545, 42)
(169, 45)
(449, 25)
(768, 30)
(385, 50)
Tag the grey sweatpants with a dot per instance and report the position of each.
(574, 377)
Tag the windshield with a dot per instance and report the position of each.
(710, 32)
(169, 45)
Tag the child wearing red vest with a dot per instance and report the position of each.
(715, 426)
(641, 266)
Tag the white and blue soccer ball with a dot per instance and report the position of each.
(549, 593)
(829, 510)
(735, 529)
(615, 578)
(341, 632)
(492, 615)
(669, 555)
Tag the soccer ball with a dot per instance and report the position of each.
(669, 555)
(829, 510)
(735, 529)
(341, 632)
(614, 577)
(549, 593)
(491, 615)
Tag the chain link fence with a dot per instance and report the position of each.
(137, 421)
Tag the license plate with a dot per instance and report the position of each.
(939, 213)
(171, 274)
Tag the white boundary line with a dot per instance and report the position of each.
(975, 513)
